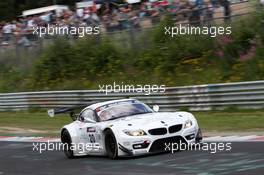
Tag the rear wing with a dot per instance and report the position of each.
(55, 111)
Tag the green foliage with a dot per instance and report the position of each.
(7, 11)
(64, 65)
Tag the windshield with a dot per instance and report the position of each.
(121, 109)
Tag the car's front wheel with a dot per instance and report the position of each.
(67, 143)
(111, 144)
(199, 136)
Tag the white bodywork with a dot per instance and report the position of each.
(81, 132)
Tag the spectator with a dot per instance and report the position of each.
(113, 17)
(195, 18)
(80, 13)
(209, 13)
(8, 29)
(123, 18)
(143, 10)
(154, 13)
(227, 10)
(174, 8)
(135, 20)
(214, 3)
(22, 38)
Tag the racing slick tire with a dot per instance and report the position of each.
(111, 144)
(199, 136)
(67, 143)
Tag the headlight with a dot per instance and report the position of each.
(139, 132)
(188, 124)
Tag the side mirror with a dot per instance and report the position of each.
(156, 108)
(73, 116)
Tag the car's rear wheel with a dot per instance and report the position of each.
(67, 143)
(111, 144)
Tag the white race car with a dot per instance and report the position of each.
(126, 127)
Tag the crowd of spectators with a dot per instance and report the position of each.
(111, 17)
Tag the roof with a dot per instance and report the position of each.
(96, 105)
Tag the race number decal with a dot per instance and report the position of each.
(92, 138)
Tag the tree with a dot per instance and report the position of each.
(7, 11)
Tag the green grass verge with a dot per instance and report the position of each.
(38, 121)
(220, 121)
(231, 121)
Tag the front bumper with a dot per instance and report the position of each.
(132, 146)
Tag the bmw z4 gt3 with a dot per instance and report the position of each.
(126, 127)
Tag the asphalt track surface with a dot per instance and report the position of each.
(245, 158)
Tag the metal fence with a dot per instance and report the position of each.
(194, 98)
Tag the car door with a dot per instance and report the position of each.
(88, 131)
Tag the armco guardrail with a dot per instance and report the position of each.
(196, 98)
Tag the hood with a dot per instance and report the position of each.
(149, 120)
